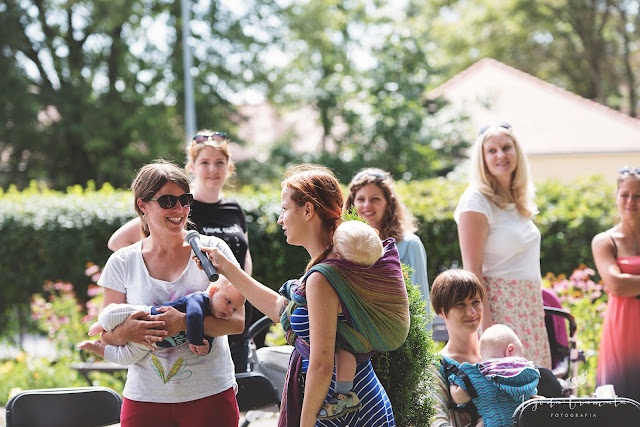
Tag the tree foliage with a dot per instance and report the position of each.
(589, 47)
(365, 67)
(94, 89)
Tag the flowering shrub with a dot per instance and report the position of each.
(58, 313)
(586, 301)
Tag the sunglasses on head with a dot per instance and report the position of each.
(374, 173)
(169, 200)
(215, 137)
(625, 170)
(504, 125)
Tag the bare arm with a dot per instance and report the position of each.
(135, 328)
(218, 327)
(618, 283)
(323, 305)
(473, 231)
(264, 299)
(248, 262)
(126, 235)
(213, 327)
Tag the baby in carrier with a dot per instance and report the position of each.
(359, 244)
(498, 384)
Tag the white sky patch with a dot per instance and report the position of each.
(156, 31)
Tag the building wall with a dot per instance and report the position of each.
(567, 167)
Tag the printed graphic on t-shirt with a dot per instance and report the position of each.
(217, 231)
(178, 371)
(175, 340)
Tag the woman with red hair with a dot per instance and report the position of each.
(318, 311)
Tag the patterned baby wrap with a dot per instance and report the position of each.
(375, 315)
(497, 386)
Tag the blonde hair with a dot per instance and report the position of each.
(358, 243)
(521, 192)
(195, 148)
(397, 219)
(495, 340)
(222, 284)
(627, 173)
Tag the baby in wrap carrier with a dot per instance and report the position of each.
(359, 244)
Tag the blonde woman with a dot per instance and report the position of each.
(498, 241)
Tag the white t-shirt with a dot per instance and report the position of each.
(512, 250)
(169, 375)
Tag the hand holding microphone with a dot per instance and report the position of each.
(193, 239)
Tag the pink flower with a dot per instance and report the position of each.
(91, 270)
(93, 290)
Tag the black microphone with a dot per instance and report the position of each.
(193, 238)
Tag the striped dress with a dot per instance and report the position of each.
(376, 408)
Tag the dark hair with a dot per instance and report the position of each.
(319, 186)
(453, 286)
(150, 179)
(396, 219)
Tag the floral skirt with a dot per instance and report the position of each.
(518, 304)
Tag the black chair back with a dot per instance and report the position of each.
(68, 407)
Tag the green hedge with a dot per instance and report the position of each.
(570, 215)
(49, 235)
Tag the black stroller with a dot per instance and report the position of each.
(260, 388)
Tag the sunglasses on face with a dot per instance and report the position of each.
(215, 137)
(504, 125)
(626, 170)
(169, 200)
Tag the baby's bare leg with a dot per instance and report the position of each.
(95, 329)
(345, 366)
(94, 346)
(344, 399)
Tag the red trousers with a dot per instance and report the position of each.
(218, 410)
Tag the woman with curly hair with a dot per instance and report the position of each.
(372, 192)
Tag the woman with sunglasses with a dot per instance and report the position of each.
(498, 241)
(616, 253)
(372, 192)
(169, 386)
(209, 164)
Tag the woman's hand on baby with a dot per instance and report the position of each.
(142, 329)
(458, 394)
(175, 321)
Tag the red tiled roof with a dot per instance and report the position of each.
(546, 118)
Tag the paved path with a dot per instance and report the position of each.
(263, 418)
